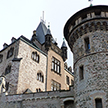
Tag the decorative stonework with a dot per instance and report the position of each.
(87, 28)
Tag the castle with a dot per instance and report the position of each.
(34, 73)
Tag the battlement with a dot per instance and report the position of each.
(37, 100)
(85, 21)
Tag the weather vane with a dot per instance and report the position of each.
(90, 2)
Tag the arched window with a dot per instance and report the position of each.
(35, 57)
(69, 104)
(8, 69)
(40, 77)
(98, 103)
(10, 52)
(38, 90)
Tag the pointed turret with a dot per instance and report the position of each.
(34, 37)
(48, 38)
(64, 50)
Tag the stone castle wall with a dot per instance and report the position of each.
(13, 75)
(95, 62)
(54, 99)
(29, 68)
(87, 35)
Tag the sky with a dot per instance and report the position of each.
(21, 17)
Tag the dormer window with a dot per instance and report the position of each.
(87, 44)
(8, 69)
(10, 52)
(1, 58)
(35, 57)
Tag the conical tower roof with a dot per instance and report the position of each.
(63, 44)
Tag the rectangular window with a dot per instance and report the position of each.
(55, 65)
(67, 80)
(98, 103)
(81, 73)
(55, 86)
(72, 82)
(87, 44)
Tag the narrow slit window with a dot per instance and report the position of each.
(67, 80)
(98, 103)
(87, 44)
(81, 73)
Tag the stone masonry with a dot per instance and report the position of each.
(93, 84)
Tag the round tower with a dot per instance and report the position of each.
(87, 35)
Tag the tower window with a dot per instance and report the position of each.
(87, 44)
(81, 73)
(98, 103)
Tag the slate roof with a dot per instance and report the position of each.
(41, 32)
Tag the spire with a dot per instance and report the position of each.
(64, 50)
(90, 2)
(48, 30)
(63, 44)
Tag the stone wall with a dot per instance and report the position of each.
(54, 99)
(29, 68)
(95, 62)
(12, 76)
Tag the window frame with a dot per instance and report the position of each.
(56, 65)
(87, 44)
(40, 77)
(55, 86)
(35, 57)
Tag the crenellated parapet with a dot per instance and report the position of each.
(86, 21)
(87, 27)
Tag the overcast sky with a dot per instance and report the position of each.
(21, 17)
